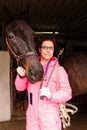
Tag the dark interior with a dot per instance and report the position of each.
(67, 18)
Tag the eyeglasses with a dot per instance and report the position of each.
(51, 48)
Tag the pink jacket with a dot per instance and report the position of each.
(64, 92)
(43, 114)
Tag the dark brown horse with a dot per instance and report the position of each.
(20, 43)
(76, 67)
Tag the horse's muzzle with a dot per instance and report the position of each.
(34, 74)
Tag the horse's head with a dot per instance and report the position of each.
(20, 42)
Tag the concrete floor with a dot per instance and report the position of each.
(78, 122)
(13, 125)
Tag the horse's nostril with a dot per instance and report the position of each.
(35, 75)
(32, 71)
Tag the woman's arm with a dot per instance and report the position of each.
(21, 83)
(64, 92)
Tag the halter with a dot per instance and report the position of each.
(18, 58)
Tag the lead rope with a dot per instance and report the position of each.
(64, 113)
(64, 109)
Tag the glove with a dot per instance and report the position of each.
(21, 71)
(44, 91)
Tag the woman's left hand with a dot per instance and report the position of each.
(44, 91)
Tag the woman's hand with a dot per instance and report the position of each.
(21, 71)
(44, 91)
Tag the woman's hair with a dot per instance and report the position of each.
(47, 39)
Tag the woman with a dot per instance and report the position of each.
(44, 96)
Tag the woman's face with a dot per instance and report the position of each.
(47, 50)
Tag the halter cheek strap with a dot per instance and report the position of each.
(18, 58)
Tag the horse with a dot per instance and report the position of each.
(20, 43)
(75, 63)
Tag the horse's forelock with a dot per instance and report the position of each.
(21, 29)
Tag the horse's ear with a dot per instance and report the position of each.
(7, 17)
(25, 15)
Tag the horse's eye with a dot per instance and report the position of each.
(11, 36)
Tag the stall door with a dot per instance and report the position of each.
(18, 99)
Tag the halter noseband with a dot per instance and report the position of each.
(18, 58)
